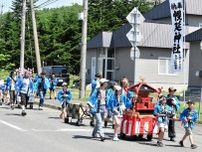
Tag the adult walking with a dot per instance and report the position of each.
(173, 103)
(42, 86)
(95, 82)
(10, 88)
(53, 83)
(97, 102)
(24, 86)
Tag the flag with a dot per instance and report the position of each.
(177, 18)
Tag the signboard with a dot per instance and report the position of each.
(176, 9)
(135, 18)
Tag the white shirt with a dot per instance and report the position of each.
(25, 85)
(102, 96)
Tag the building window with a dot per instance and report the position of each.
(164, 66)
(200, 25)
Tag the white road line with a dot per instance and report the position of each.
(12, 126)
(62, 130)
(67, 130)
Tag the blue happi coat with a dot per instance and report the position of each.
(46, 85)
(125, 100)
(93, 100)
(8, 83)
(20, 86)
(192, 115)
(160, 109)
(64, 96)
(53, 83)
(176, 100)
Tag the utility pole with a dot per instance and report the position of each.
(2, 6)
(22, 37)
(83, 49)
(36, 41)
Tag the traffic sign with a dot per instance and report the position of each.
(135, 18)
(135, 13)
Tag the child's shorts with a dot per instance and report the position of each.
(188, 131)
(163, 125)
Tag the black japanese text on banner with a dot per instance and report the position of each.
(177, 18)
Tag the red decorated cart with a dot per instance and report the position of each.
(139, 121)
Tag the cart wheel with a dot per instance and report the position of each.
(149, 137)
(66, 120)
(140, 136)
(31, 106)
(92, 123)
(79, 122)
(122, 135)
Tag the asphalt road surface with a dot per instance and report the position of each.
(43, 131)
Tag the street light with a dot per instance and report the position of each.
(199, 74)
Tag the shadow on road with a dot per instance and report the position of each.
(53, 117)
(5, 107)
(148, 143)
(173, 145)
(88, 137)
(13, 114)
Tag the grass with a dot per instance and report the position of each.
(4, 74)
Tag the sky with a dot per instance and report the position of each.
(59, 3)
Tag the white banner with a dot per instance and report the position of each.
(177, 18)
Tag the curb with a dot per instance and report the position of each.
(49, 106)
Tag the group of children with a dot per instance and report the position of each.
(23, 87)
(114, 99)
(166, 110)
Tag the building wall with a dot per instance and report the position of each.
(123, 65)
(147, 68)
(194, 20)
(195, 64)
(90, 53)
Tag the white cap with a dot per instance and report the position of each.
(103, 80)
(117, 87)
(64, 84)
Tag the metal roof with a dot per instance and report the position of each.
(154, 35)
(101, 40)
(195, 36)
(193, 7)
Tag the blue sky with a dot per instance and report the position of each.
(59, 3)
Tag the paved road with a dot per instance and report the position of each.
(42, 131)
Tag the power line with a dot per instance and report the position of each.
(48, 2)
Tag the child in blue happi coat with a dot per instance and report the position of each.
(64, 96)
(188, 117)
(117, 102)
(161, 111)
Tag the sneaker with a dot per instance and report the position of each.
(40, 108)
(23, 113)
(172, 139)
(181, 143)
(12, 107)
(159, 144)
(193, 146)
(115, 138)
(102, 138)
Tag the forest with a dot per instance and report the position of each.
(59, 31)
